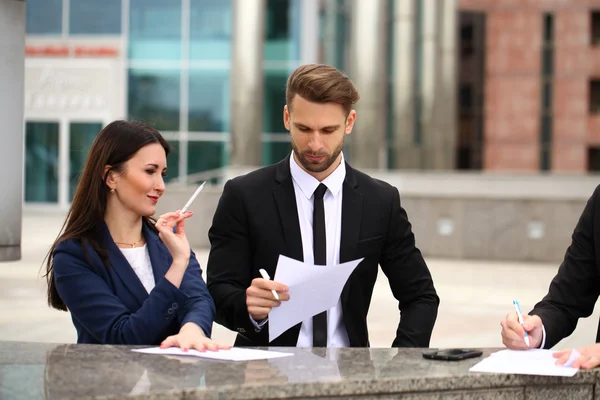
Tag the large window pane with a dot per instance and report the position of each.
(44, 17)
(274, 90)
(204, 156)
(173, 161)
(155, 30)
(282, 30)
(154, 97)
(210, 29)
(93, 17)
(41, 162)
(274, 152)
(81, 137)
(209, 101)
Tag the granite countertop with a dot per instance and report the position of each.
(63, 371)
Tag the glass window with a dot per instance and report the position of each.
(41, 162)
(155, 30)
(93, 17)
(154, 97)
(282, 30)
(209, 101)
(173, 161)
(210, 29)
(274, 152)
(274, 90)
(205, 156)
(44, 17)
(81, 137)
(595, 28)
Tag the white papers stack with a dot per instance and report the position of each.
(233, 354)
(313, 289)
(528, 362)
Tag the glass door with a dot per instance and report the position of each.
(41, 162)
(81, 137)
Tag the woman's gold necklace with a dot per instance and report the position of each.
(132, 245)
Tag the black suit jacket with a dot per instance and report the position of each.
(575, 288)
(257, 220)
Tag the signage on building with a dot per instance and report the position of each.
(71, 51)
(74, 76)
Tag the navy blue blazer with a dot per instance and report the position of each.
(111, 306)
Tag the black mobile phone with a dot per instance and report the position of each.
(452, 354)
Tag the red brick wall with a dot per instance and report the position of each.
(513, 83)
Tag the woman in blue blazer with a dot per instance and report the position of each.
(125, 278)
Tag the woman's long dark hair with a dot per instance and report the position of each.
(114, 145)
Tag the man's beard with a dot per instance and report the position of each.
(319, 166)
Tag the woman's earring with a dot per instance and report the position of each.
(112, 190)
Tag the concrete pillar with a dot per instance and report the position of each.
(329, 31)
(309, 31)
(429, 69)
(12, 87)
(367, 69)
(247, 82)
(446, 115)
(406, 155)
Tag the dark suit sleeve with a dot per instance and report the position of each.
(410, 281)
(92, 303)
(199, 305)
(229, 262)
(575, 288)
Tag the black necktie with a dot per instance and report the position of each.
(320, 254)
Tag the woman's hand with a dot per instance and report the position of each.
(588, 357)
(176, 242)
(190, 336)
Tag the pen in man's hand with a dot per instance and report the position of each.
(266, 276)
(520, 317)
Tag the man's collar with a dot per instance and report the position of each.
(308, 183)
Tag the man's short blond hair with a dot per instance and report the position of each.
(320, 83)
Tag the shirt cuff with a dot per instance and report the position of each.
(543, 337)
(258, 325)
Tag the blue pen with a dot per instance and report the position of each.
(520, 317)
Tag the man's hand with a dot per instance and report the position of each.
(260, 300)
(513, 334)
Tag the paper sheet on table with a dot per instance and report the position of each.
(313, 289)
(528, 362)
(233, 354)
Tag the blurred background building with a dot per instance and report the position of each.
(484, 113)
(493, 85)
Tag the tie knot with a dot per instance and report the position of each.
(320, 191)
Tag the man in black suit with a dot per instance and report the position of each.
(572, 295)
(314, 207)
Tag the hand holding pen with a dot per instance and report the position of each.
(264, 294)
(521, 332)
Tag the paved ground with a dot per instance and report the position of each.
(475, 295)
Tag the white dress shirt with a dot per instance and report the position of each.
(304, 187)
(139, 259)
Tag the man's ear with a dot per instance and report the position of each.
(286, 117)
(350, 121)
(109, 177)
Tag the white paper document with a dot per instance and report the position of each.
(233, 354)
(313, 289)
(525, 362)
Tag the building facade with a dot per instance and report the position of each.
(533, 68)
(493, 85)
(165, 62)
